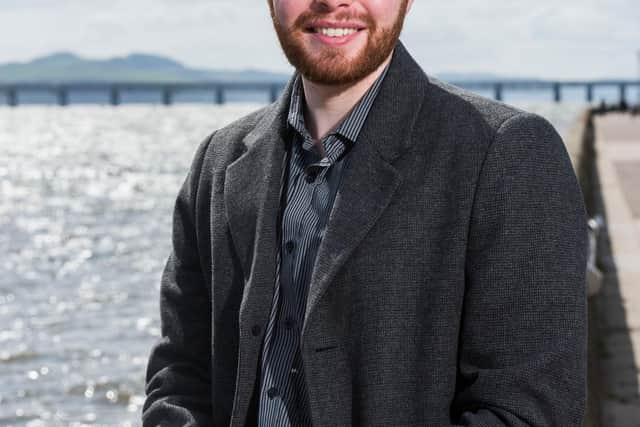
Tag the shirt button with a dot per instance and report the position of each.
(290, 245)
(272, 392)
(294, 371)
(255, 330)
(289, 323)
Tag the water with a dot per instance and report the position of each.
(86, 195)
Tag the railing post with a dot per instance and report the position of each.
(557, 92)
(589, 92)
(274, 92)
(497, 91)
(114, 96)
(63, 96)
(12, 96)
(219, 94)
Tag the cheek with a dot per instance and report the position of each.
(383, 11)
(288, 10)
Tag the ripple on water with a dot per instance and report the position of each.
(19, 355)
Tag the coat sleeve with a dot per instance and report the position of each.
(522, 345)
(178, 377)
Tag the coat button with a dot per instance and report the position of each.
(290, 245)
(255, 330)
(310, 178)
(272, 392)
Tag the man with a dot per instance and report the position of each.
(374, 248)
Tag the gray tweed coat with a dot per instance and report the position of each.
(448, 289)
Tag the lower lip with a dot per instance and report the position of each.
(336, 41)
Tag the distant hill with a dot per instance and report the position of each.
(139, 67)
(66, 66)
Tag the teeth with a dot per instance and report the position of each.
(336, 32)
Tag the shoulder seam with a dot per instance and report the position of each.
(490, 146)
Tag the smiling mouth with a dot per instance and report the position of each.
(333, 31)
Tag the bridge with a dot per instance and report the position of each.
(168, 90)
(555, 87)
(115, 90)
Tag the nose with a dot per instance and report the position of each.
(329, 5)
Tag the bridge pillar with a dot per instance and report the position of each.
(63, 96)
(497, 91)
(220, 95)
(12, 97)
(557, 92)
(274, 92)
(589, 92)
(167, 96)
(114, 96)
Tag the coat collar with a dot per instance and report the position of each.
(253, 181)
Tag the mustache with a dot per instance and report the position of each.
(306, 19)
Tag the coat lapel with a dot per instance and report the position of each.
(369, 178)
(252, 198)
(252, 188)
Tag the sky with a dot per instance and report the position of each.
(554, 39)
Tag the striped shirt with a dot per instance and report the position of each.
(311, 186)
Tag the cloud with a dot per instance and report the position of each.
(546, 38)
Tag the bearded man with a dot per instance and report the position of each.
(374, 248)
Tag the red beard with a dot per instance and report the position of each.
(330, 66)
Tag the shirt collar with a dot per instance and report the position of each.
(347, 131)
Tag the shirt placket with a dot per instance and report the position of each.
(283, 393)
